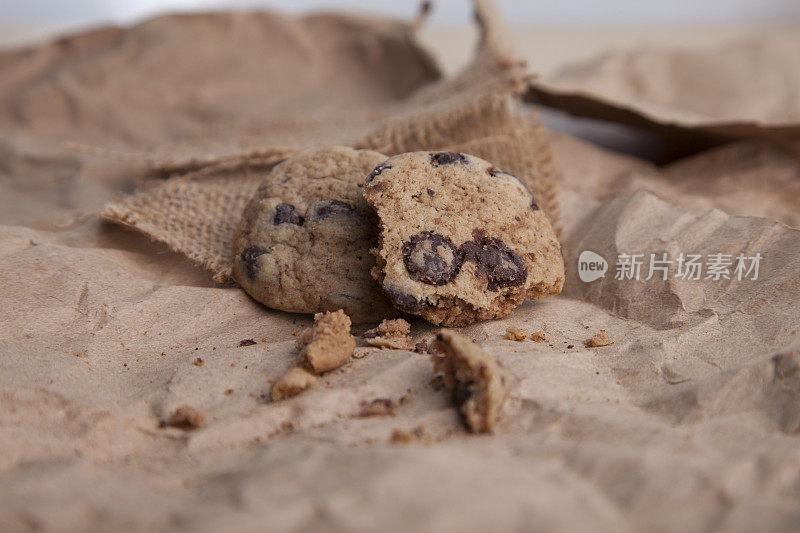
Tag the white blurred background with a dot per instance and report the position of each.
(23, 20)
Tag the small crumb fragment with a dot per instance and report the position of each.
(538, 336)
(228, 392)
(599, 339)
(475, 379)
(198, 361)
(516, 334)
(401, 436)
(392, 334)
(377, 407)
(186, 417)
(292, 383)
(328, 344)
(246, 342)
(421, 346)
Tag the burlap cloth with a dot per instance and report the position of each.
(196, 211)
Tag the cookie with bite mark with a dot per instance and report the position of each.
(461, 240)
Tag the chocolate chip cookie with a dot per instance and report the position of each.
(305, 237)
(461, 240)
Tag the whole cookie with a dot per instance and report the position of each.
(305, 237)
(460, 240)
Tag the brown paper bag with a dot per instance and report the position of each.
(478, 111)
(740, 89)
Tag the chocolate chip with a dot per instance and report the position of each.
(430, 192)
(330, 208)
(495, 172)
(502, 266)
(404, 302)
(250, 257)
(287, 214)
(461, 393)
(431, 258)
(377, 171)
(447, 158)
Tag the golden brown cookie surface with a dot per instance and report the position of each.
(461, 240)
(305, 237)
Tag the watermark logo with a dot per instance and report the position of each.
(693, 267)
(591, 266)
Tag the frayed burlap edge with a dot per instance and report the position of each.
(197, 210)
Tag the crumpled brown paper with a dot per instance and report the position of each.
(478, 111)
(689, 421)
(737, 89)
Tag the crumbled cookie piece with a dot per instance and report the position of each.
(516, 334)
(401, 436)
(292, 383)
(390, 334)
(186, 417)
(421, 346)
(328, 344)
(377, 407)
(475, 379)
(247, 342)
(461, 241)
(538, 336)
(599, 339)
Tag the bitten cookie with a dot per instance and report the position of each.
(461, 240)
(305, 237)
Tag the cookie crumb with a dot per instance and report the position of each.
(515, 334)
(292, 383)
(198, 362)
(390, 334)
(538, 336)
(377, 407)
(599, 339)
(421, 346)
(475, 379)
(328, 344)
(247, 342)
(186, 417)
(401, 436)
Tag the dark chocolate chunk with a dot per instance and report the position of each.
(330, 208)
(494, 172)
(377, 171)
(404, 302)
(431, 258)
(447, 158)
(250, 257)
(461, 393)
(287, 214)
(502, 266)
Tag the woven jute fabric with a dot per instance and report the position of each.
(192, 198)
